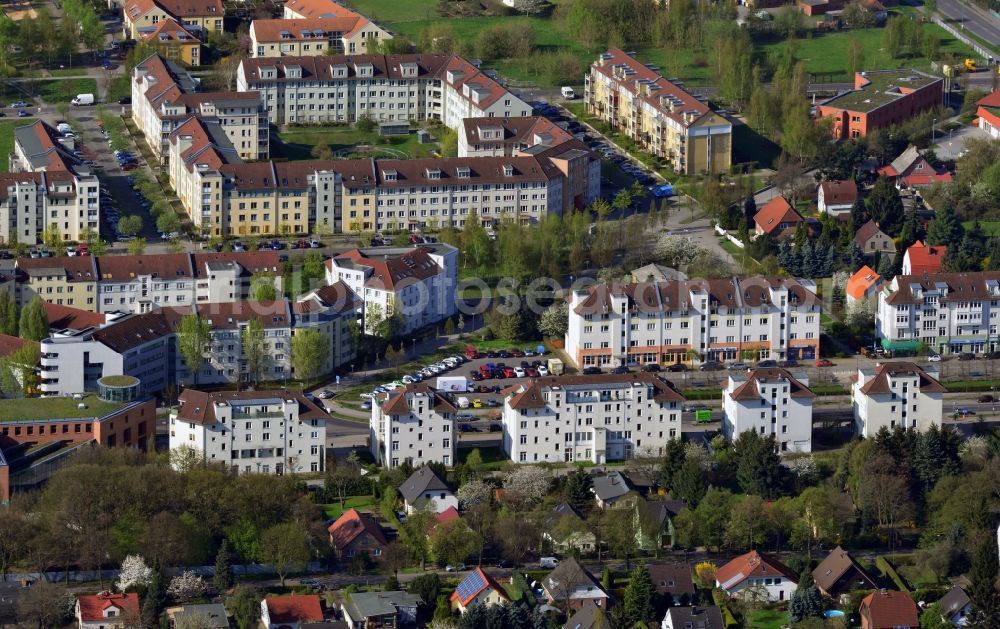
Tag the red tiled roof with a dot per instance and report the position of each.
(449, 514)
(181, 9)
(414, 265)
(198, 407)
(229, 314)
(167, 266)
(294, 608)
(478, 581)
(879, 383)
(396, 403)
(775, 212)
(752, 564)
(250, 261)
(839, 192)
(74, 268)
(888, 609)
(862, 281)
(92, 606)
(924, 259)
(173, 32)
(69, 318)
(319, 8)
(517, 130)
(352, 524)
(10, 344)
(750, 391)
(317, 28)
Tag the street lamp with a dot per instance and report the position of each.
(933, 124)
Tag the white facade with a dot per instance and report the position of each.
(589, 418)
(259, 432)
(896, 394)
(662, 322)
(415, 424)
(31, 202)
(435, 501)
(778, 587)
(769, 402)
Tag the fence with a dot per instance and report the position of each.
(962, 37)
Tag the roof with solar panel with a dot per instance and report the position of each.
(475, 584)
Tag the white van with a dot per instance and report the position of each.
(463, 402)
(82, 99)
(548, 562)
(568, 93)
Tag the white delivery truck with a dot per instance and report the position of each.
(455, 384)
(82, 99)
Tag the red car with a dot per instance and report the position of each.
(508, 373)
(129, 166)
(822, 362)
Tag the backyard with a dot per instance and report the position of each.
(333, 510)
(297, 142)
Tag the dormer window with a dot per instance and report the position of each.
(389, 175)
(464, 172)
(508, 170)
(433, 173)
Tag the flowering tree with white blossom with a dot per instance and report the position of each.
(134, 573)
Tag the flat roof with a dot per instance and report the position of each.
(34, 409)
(883, 88)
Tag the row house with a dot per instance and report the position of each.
(880, 99)
(417, 282)
(174, 41)
(346, 88)
(265, 431)
(414, 424)
(596, 419)
(769, 401)
(164, 96)
(314, 36)
(950, 313)
(897, 393)
(200, 16)
(676, 321)
(661, 116)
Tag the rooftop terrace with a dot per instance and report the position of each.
(31, 409)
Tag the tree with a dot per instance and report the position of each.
(286, 547)
(982, 581)
(516, 536)
(168, 222)
(310, 353)
(322, 151)
(262, 286)
(193, 338)
(426, 586)
(8, 314)
(15, 533)
(689, 483)
(748, 524)
(554, 321)
(130, 225)
(946, 228)
(137, 246)
(34, 323)
(758, 467)
(637, 600)
(43, 605)
(855, 56)
(313, 266)
(806, 601)
(527, 485)
(577, 490)
(223, 578)
(452, 542)
(133, 573)
(673, 459)
(186, 586)
(244, 606)
(885, 207)
(474, 492)
(254, 347)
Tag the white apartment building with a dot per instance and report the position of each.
(420, 281)
(769, 401)
(949, 312)
(314, 36)
(344, 88)
(267, 432)
(414, 423)
(896, 394)
(31, 202)
(597, 418)
(504, 137)
(677, 320)
(164, 96)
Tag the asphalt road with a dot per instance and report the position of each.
(977, 21)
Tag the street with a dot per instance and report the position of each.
(977, 21)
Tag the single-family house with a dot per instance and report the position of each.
(206, 615)
(673, 581)
(589, 616)
(838, 574)
(355, 533)
(291, 611)
(912, 170)
(870, 239)
(709, 617)
(478, 588)
(760, 572)
(380, 609)
(425, 489)
(609, 489)
(888, 609)
(777, 218)
(660, 513)
(989, 114)
(566, 529)
(956, 606)
(836, 196)
(107, 610)
(863, 284)
(920, 258)
(570, 585)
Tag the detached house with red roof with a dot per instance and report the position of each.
(989, 114)
(920, 259)
(478, 588)
(769, 401)
(291, 611)
(760, 572)
(836, 197)
(355, 533)
(414, 423)
(107, 610)
(871, 240)
(912, 170)
(777, 218)
(888, 609)
(896, 393)
(863, 284)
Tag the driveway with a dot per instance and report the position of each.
(950, 145)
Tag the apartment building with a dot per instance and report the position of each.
(662, 117)
(65, 281)
(505, 137)
(164, 96)
(172, 40)
(950, 313)
(680, 320)
(418, 282)
(881, 98)
(306, 9)
(345, 88)
(200, 16)
(315, 36)
(590, 418)
(769, 401)
(896, 394)
(414, 423)
(274, 431)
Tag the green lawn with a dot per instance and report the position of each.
(297, 142)
(119, 88)
(7, 135)
(990, 228)
(54, 91)
(68, 72)
(55, 407)
(333, 510)
(768, 619)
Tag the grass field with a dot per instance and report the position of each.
(61, 407)
(990, 228)
(54, 91)
(333, 510)
(298, 142)
(119, 88)
(768, 619)
(7, 135)
(68, 72)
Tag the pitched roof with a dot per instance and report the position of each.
(474, 584)
(449, 514)
(137, 330)
(989, 108)
(397, 402)
(10, 344)
(293, 608)
(389, 270)
(953, 602)
(563, 510)
(68, 318)
(198, 407)
(350, 525)
(589, 616)
(752, 564)
(319, 8)
(167, 266)
(924, 259)
(866, 232)
(880, 382)
(709, 617)
(179, 9)
(169, 31)
(306, 29)
(214, 613)
(362, 605)
(250, 262)
(516, 130)
(886, 609)
(92, 606)
(862, 281)
(422, 480)
(530, 393)
(663, 510)
(73, 268)
(750, 389)
(950, 287)
(834, 566)
(567, 575)
(230, 314)
(775, 212)
(610, 487)
(674, 577)
(839, 192)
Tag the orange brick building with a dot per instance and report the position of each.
(881, 98)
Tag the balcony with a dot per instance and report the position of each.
(257, 415)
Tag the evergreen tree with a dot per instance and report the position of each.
(831, 261)
(912, 230)
(8, 314)
(749, 208)
(946, 228)
(606, 579)
(806, 601)
(758, 467)
(34, 323)
(673, 459)
(885, 207)
(518, 616)
(808, 267)
(223, 577)
(578, 494)
(637, 601)
(473, 618)
(156, 596)
(690, 483)
(859, 215)
(982, 584)
(442, 610)
(936, 455)
(885, 267)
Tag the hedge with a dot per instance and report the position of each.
(720, 599)
(887, 570)
(967, 386)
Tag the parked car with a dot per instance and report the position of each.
(791, 362)
(455, 568)
(823, 362)
(651, 367)
(710, 365)
(591, 371)
(964, 412)
(986, 398)
(677, 368)
(621, 369)
(764, 364)
(966, 356)
(738, 366)
(934, 358)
